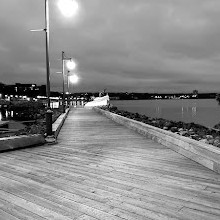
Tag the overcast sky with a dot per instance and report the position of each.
(120, 45)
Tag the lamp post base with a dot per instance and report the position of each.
(64, 108)
(49, 114)
(50, 139)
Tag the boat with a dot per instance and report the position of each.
(102, 100)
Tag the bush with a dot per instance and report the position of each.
(27, 110)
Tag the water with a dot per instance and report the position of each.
(200, 111)
(5, 115)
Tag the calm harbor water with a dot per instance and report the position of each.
(200, 111)
(4, 114)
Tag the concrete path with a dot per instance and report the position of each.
(102, 170)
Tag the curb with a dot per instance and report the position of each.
(204, 154)
(57, 125)
(22, 141)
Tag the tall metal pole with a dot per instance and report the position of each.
(47, 51)
(68, 86)
(48, 112)
(63, 64)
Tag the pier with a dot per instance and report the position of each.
(100, 170)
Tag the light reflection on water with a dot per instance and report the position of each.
(200, 111)
(4, 114)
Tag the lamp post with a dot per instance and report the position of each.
(49, 111)
(73, 79)
(47, 51)
(68, 8)
(71, 65)
(68, 89)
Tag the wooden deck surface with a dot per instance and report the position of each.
(102, 170)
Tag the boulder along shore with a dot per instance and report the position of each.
(190, 130)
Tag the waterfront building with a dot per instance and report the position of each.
(19, 89)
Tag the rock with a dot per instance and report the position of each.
(216, 142)
(209, 137)
(195, 137)
(186, 134)
(191, 132)
(168, 124)
(211, 141)
(217, 126)
(183, 133)
(113, 108)
(204, 141)
(144, 117)
(174, 129)
(136, 115)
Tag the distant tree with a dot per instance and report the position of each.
(218, 98)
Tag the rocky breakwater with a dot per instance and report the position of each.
(190, 130)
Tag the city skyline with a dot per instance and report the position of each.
(121, 45)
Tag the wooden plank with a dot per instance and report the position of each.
(204, 174)
(102, 170)
(32, 207)
(67, 207)
(4, 215)
(86, 188)
(19, 212)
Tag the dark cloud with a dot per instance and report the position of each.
(121, 45)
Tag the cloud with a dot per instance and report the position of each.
(141, 45)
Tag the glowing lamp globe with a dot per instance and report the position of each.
(71, 65)
(74, 79)
(68, 7)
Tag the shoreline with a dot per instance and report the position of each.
(191, 130)
(199, 111)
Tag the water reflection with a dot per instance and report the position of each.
(200, 111)
(158, 111)
(194, 110)
(189, 112)
(5, 114)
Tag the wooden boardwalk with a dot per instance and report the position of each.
(102, 170)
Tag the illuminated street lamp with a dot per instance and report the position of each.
(71, 79)
(68, 8)
(74, 79)
(70, 64)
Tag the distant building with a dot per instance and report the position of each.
(30, 90)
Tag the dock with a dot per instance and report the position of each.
(100, 170)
